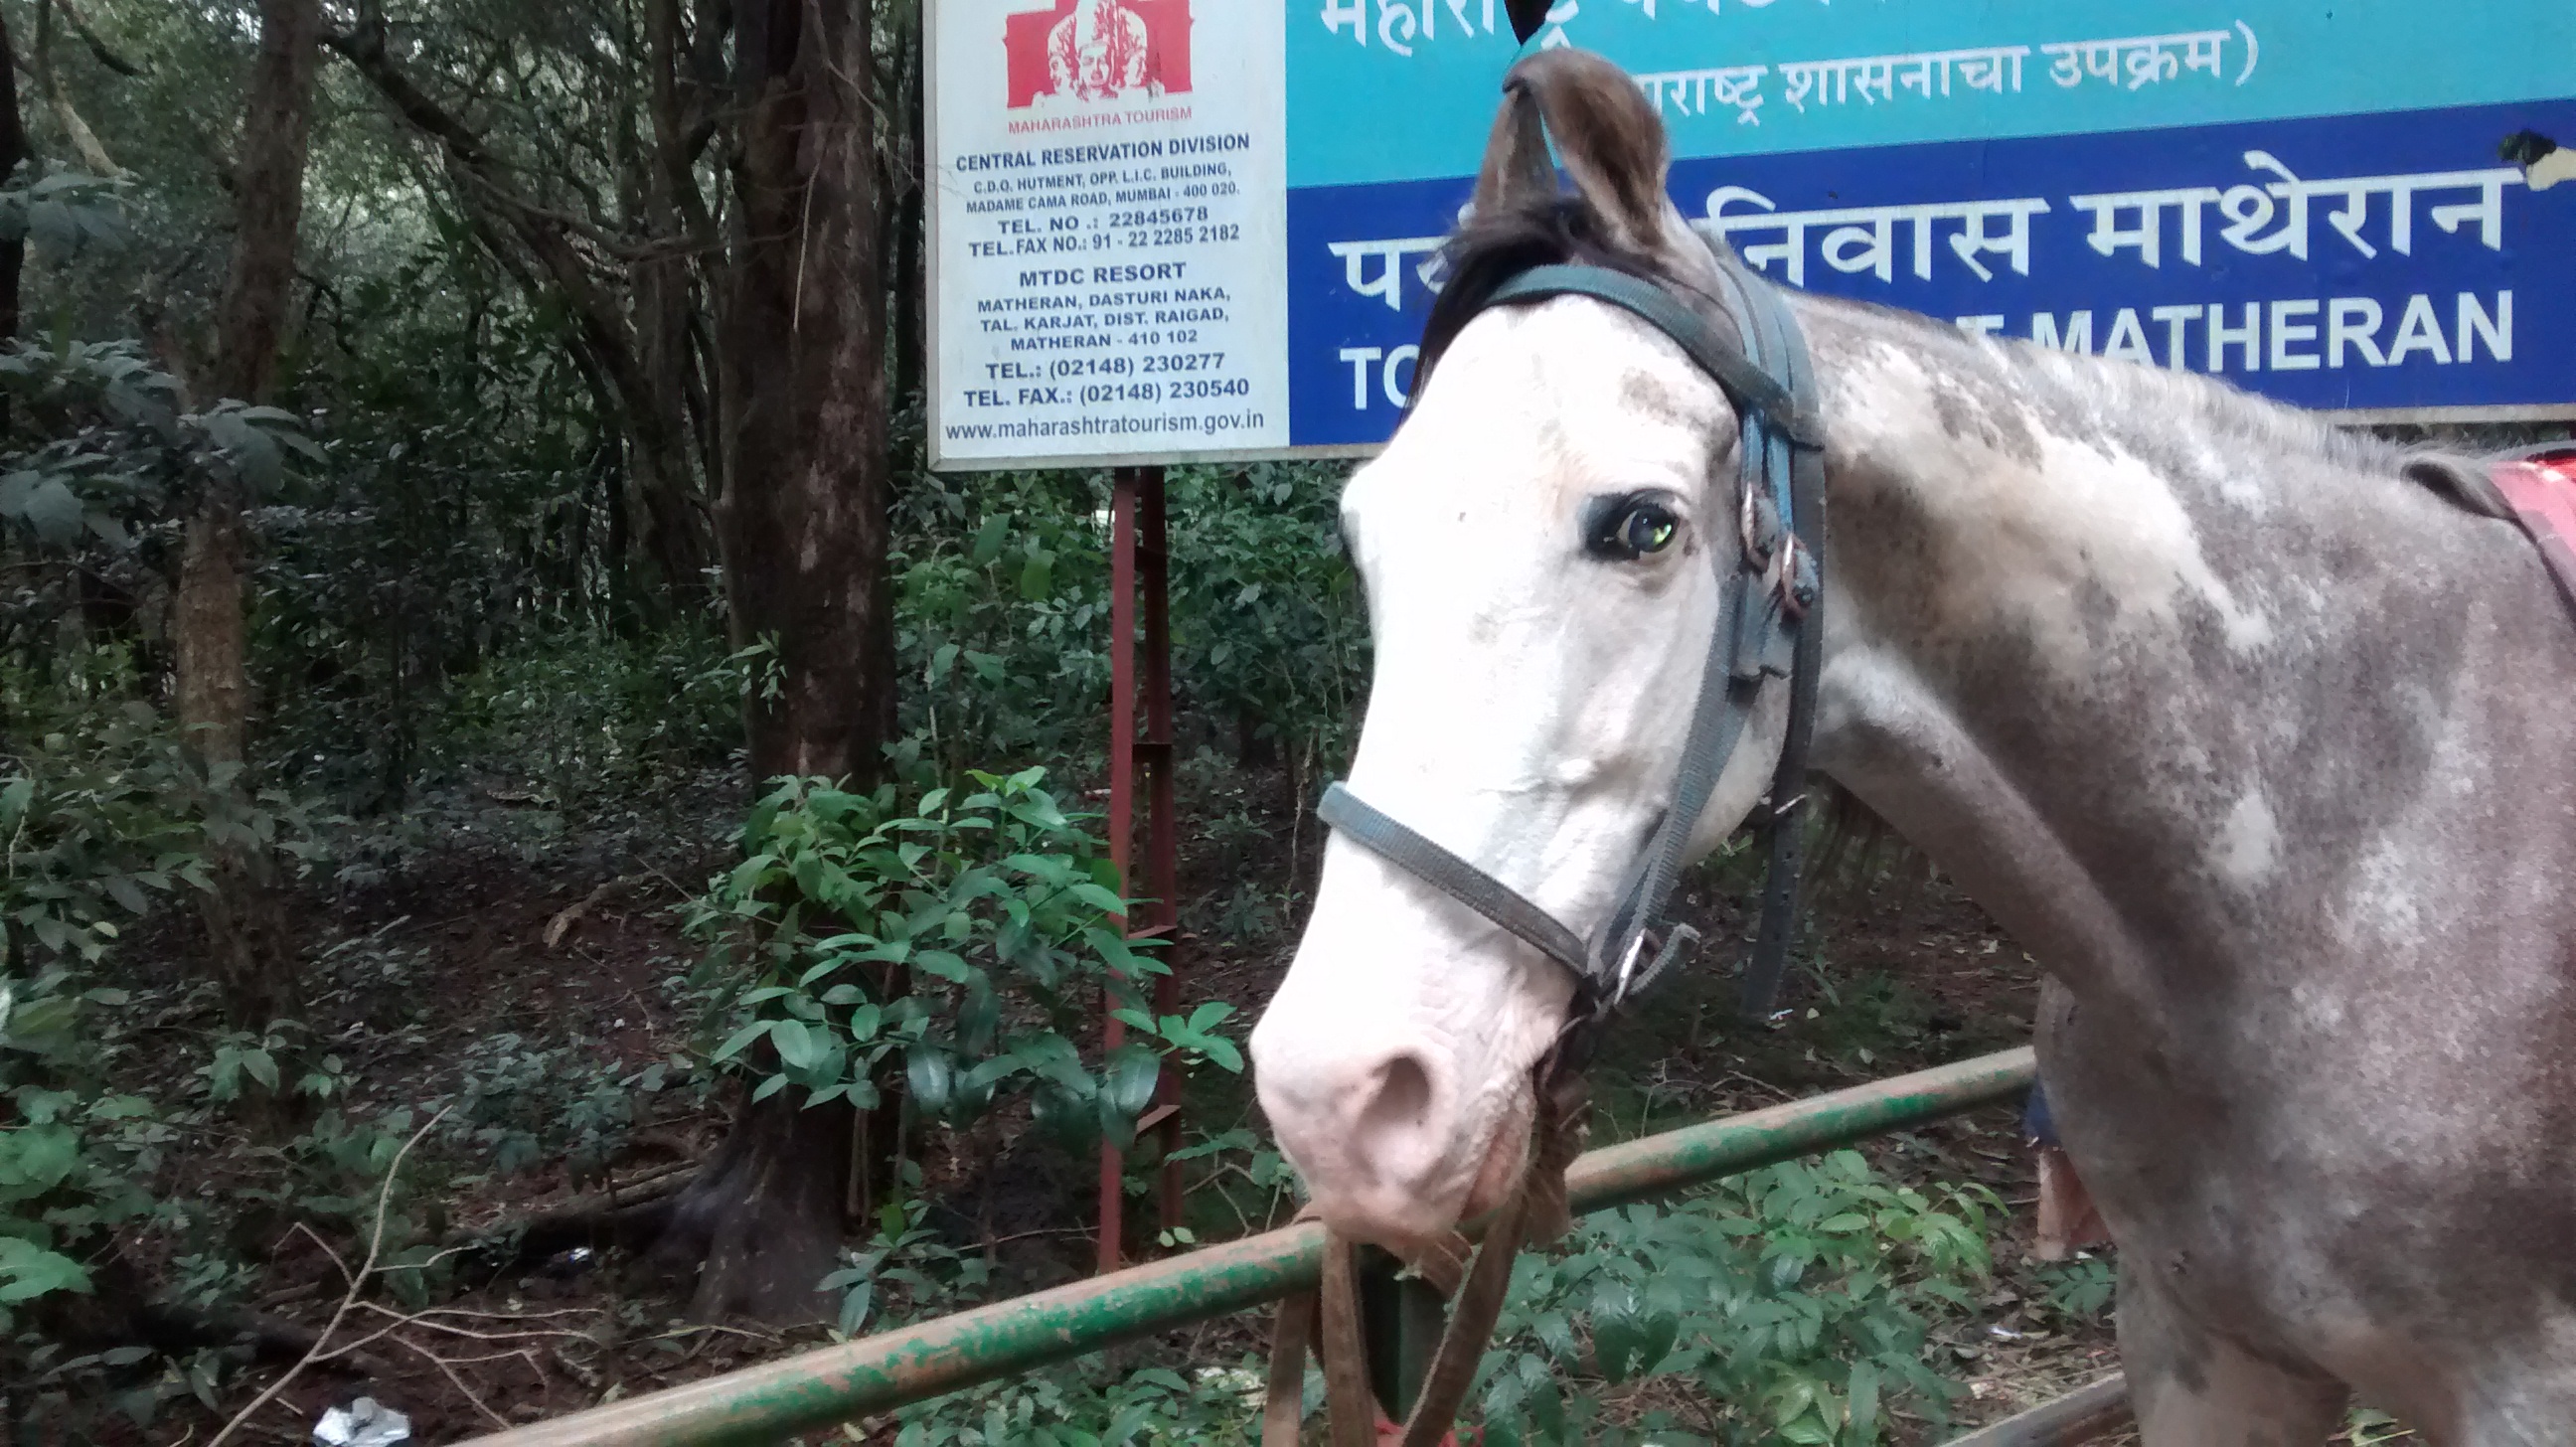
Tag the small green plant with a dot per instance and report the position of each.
(1095, 1404)
(1247, 1173)
(521, 1102)
(2080, 1289)
(906, 1273)
(1795, 1300)
(94, 818)
(75, 1163)
(955, 944)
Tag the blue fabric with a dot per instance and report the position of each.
(2035, 1122)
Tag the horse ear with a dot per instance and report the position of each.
(1516, 165)
(1611, 142)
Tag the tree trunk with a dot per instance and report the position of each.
(268, 197)
(907, 186)
(13, 153)
(251, 961)
(803, 516)
(762, 1219)
(801, 524)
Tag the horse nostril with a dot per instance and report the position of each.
(1402, 1098)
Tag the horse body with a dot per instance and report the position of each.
(2250, 738)
(2242, 726)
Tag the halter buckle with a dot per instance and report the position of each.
(1748, 528)
(1679, 940)
(1797, 585)
(1624, 978)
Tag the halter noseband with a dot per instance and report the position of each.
(1766, 628)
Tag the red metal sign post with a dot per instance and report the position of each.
(1139, 581)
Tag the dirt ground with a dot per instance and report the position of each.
(571, 949)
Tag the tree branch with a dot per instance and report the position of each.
(99, 47)
(84, 142)
(547, 236)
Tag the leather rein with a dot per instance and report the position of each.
(1770, 587)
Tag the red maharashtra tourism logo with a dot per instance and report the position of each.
(1098, 50)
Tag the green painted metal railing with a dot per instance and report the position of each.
(835, 1384)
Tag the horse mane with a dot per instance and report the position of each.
(1494, 245)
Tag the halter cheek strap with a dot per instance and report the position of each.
(1770, 587)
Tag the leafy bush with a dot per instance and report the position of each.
(1001, 598)
(1094, 1404)
(467, 535)
(1792, 1304)
(75, 1164)
(2080, 1289)
(113, 445)
(961, 939)
(1269, 633)
(522, 1102)
(597, 717)
(92, 817)
(908, 1274)
(1000, 609)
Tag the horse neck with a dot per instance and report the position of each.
(2120, 652)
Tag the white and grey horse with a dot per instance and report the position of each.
(2242, 724)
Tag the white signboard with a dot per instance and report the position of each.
(1108, 223)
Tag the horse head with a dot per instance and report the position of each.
(1536, 546)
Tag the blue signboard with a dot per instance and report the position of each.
(1175, 229)
(2303, 196)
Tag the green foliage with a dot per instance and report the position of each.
(116, 443)
(104, 816)
(1858, 1014)
(1268, 628)
(1002, 602)
(93, 816)
(1795, 1302)
(957, 942)
(1791, 1305)
(2080, 1289)
(1193, 1036)
(594, 717)
(907, 1274)
(63, 210)
(449, 597)
(1002, 597)
(74, 1163)
(1093, 1404)
(523, 1102)
(1245, 1171)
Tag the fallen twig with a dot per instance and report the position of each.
(449, 1372)
(357, 1283)
(570, 915)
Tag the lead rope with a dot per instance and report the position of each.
(1533, 1214)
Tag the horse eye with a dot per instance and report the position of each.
(1648, 528)
(1622, 529)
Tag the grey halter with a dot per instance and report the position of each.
(1766, 628)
